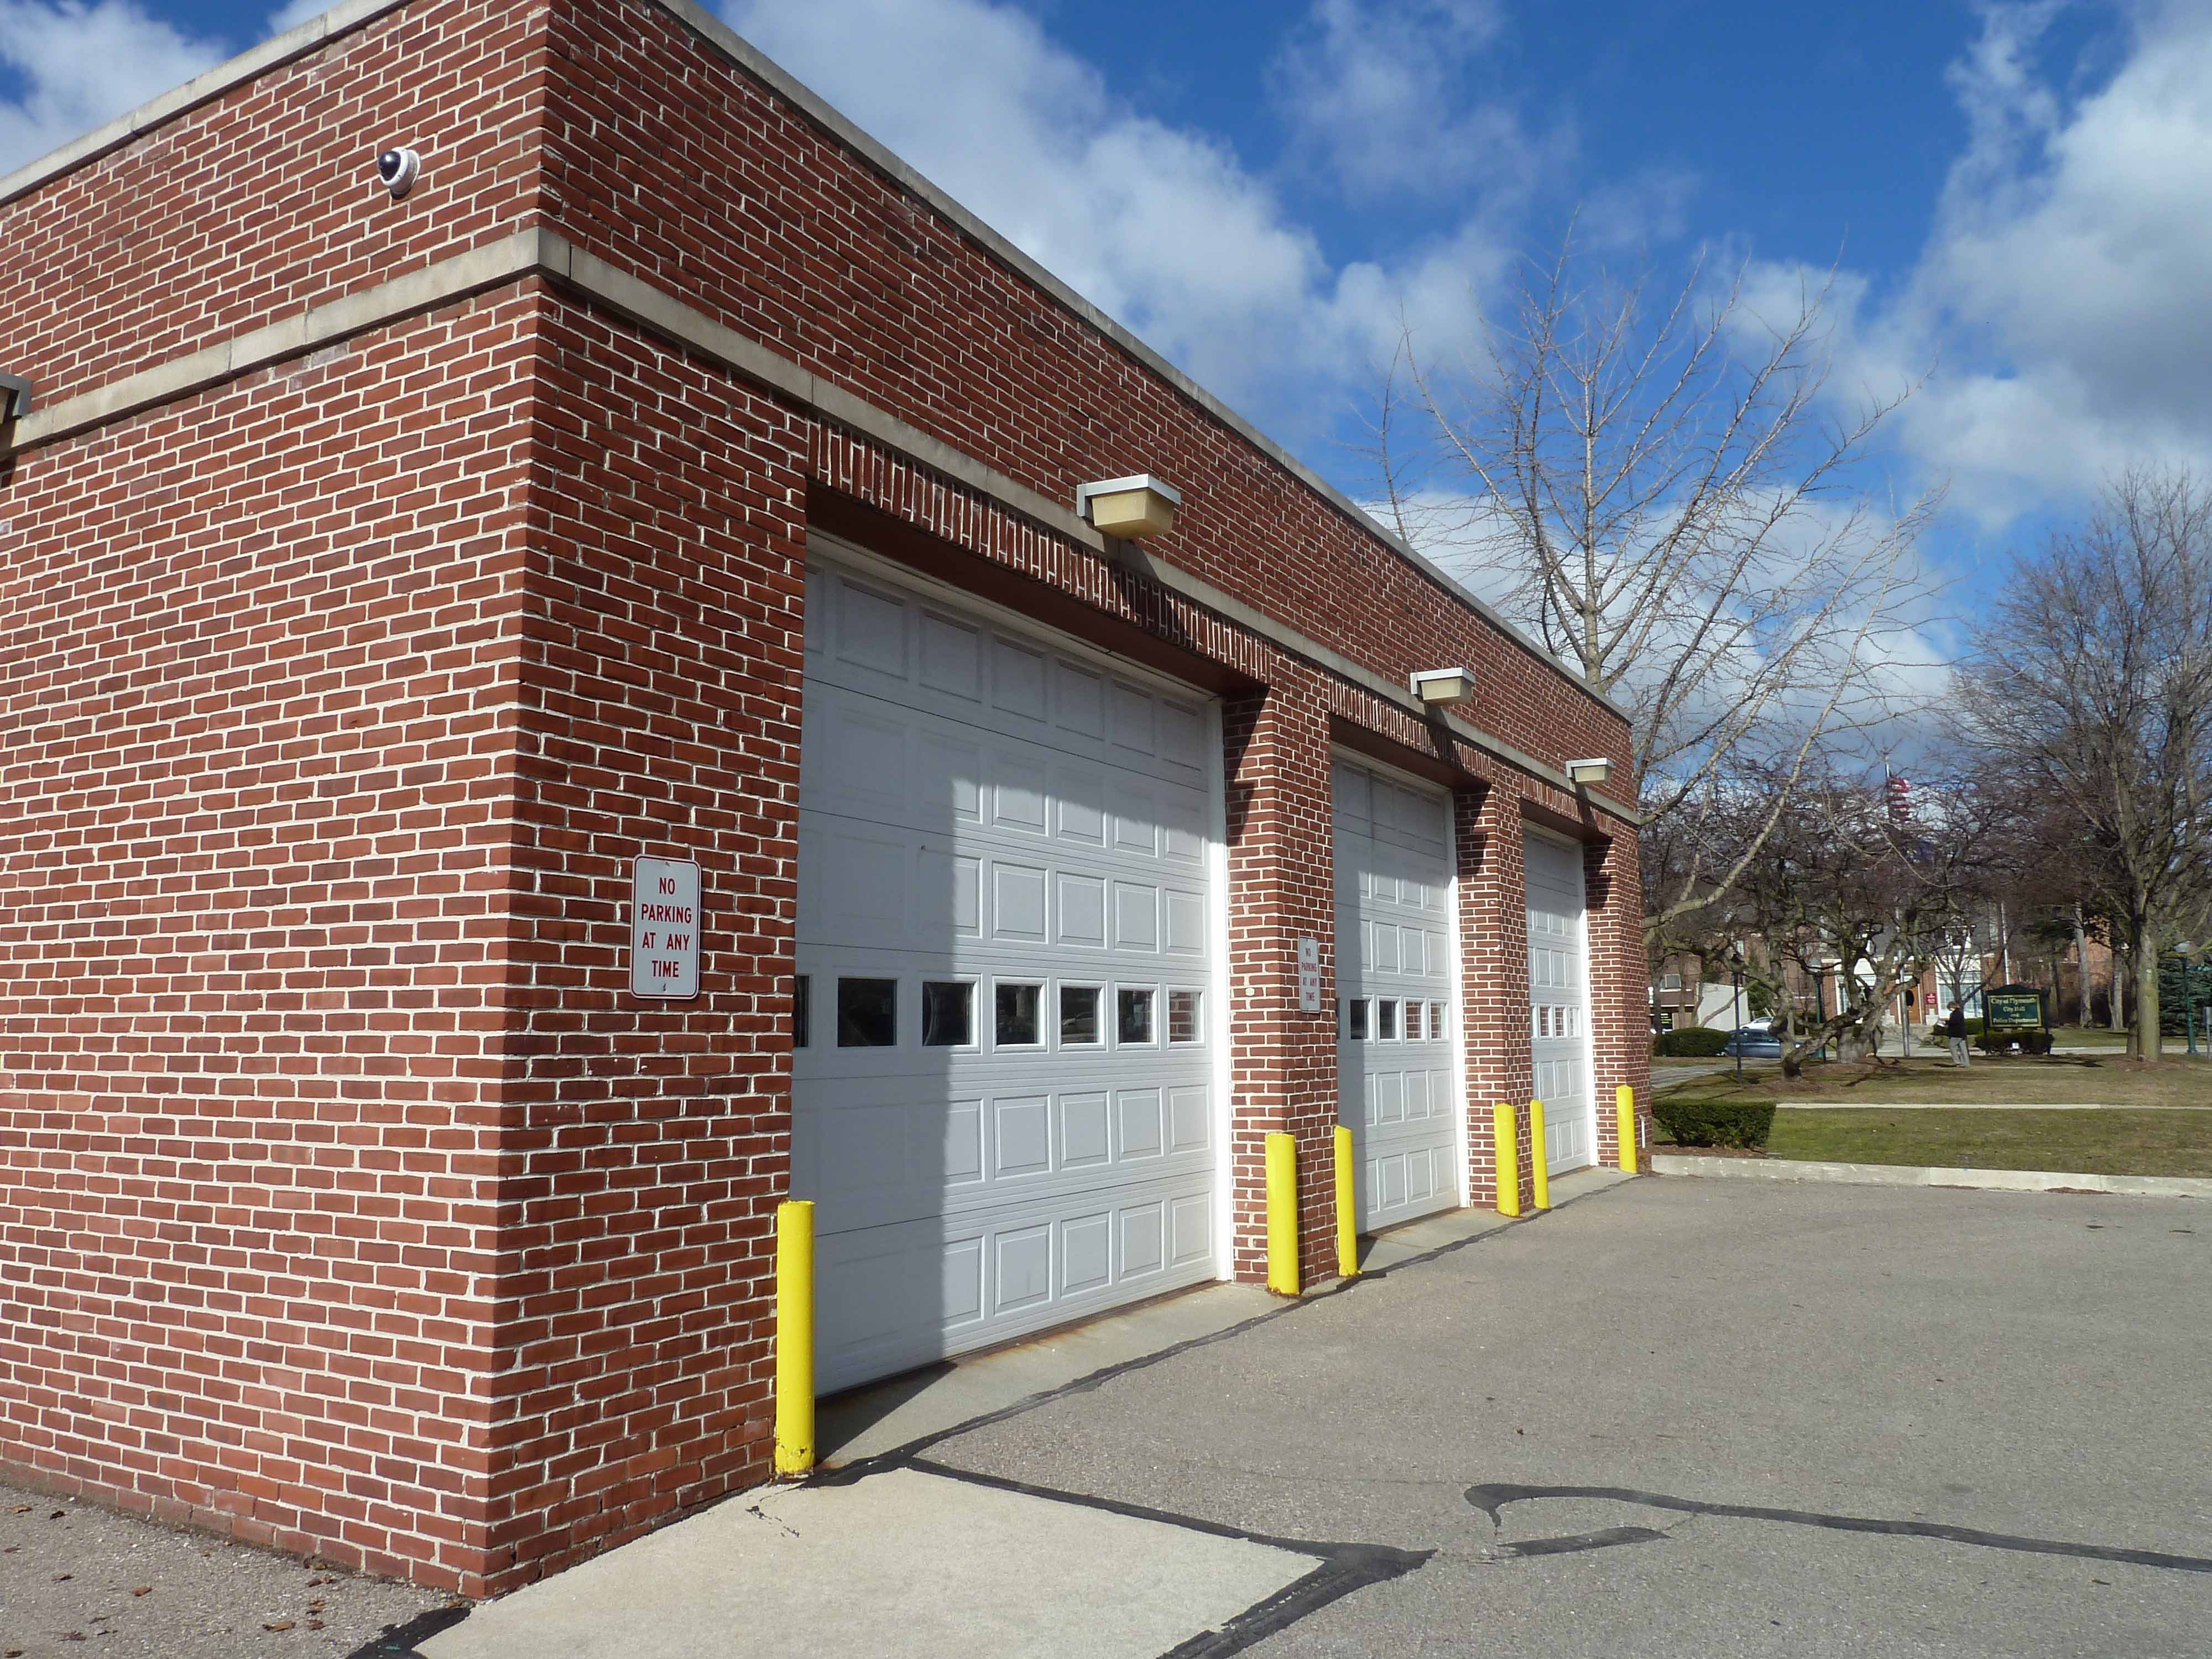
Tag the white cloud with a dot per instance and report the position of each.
(2059, 308)
(297, 13)
(1162, 230)
(1377, 90)
(82, 65)
(1165, 230)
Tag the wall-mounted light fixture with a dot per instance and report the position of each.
(1132, 507)
(14, 396)
(1589, 771)
(1440, 688)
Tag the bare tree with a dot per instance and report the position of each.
(1850, 891)
(1649, 484)
(2094, 672)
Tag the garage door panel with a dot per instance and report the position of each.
(899, 1295)
(1034, 695)
(1558, 1002)
(1397, 1081)
(920, 774)
(1017, 822)
(912, 889)
(890, 1148)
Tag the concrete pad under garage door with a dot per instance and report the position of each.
(897, 1564)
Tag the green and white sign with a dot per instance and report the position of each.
(2014, 1010)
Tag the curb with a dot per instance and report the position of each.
(1968, 1106)
(1906, 1174)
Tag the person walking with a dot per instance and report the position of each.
(1954, 1027)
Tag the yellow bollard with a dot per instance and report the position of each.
(1348, 1217)
(1282, 1214)
(794, 1337)
(1540, 1166)
(1504, 1131)
(1623, 1102)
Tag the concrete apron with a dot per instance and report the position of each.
(884, 1552)
(1914, 1175)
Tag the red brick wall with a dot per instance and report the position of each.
(1620, 1012)
(648, 1144)
(1281, 888)
(353, 1205)
(257, 744)
(1494, 972)
(667, 161)
(265, 201)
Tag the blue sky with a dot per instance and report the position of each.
(2014, 194)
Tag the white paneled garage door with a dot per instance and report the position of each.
(1558, 1002)
(1004, 1089)
(1397, 1009)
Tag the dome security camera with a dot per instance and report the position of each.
(397, 169)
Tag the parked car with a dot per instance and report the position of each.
(1753, 1044)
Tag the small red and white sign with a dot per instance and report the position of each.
(664, 928)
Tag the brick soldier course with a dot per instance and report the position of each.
(382, 576)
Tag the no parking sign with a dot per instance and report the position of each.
(664, 928)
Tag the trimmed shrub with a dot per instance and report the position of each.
(1690, 1041)
(1744, 1123)
(2003, 1043)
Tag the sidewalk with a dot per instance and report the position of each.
(886, 1552)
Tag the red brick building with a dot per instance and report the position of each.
(385, 576)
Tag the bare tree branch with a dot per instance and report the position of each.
(1648, 486)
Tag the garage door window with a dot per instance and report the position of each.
(1183, 1016)
(1078, 1016)
(800, 1011)
(867, 1013)
(1355, 1019)
(948, 1013)
(1016, 1023)
(1386, 1019)
(1135, 1024)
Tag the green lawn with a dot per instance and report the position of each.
(2089, 1037)
(2172, 1142)
(2059, 1080)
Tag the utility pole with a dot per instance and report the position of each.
(2188, 1001)
(1735, 1037)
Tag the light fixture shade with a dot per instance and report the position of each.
(1589, 771)
(1440, 688)
(1132, 507)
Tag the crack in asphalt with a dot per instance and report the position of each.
(1599, 1539)
(1492, 1499)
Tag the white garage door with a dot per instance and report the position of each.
(1558, 1002)
(1004, 1096)
(1397, 1081)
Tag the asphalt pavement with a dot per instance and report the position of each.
(1671, 1417)
(1687, 1418)
(81, 1580)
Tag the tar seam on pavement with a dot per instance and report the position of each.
(1343, 1568)
(1576, 1542)
(902, 1456)
(404, 1641)
(1492, 1499)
